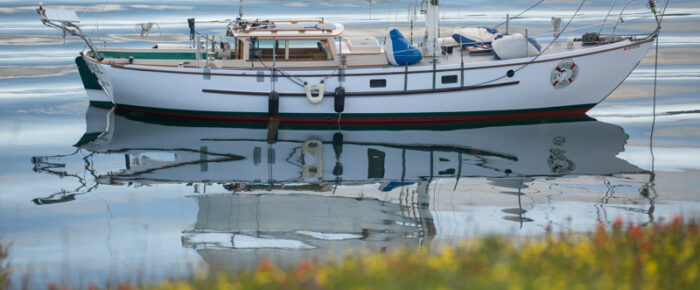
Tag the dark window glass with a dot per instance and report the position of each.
(451, 79)
(377, 83)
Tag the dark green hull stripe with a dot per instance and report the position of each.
(87, 138)
(101, 104)
(89, 80)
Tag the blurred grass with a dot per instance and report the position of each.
(656, 256)
(4, 267)
(653, 256)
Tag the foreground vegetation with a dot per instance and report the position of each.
(629, 256)
(626, 257)
(4, 267)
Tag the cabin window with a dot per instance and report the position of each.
(379, 83)
(307, 50)
(451, 79)
(265, 49)
(290, 50)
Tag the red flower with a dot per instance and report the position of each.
(599, 227)
(635, 232)
(266, 264)
(304, 267)
(618, 222)
(124, 286)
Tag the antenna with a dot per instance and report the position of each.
(240, 9)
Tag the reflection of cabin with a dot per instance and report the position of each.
(235, 230)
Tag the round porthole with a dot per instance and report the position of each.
(510, 73)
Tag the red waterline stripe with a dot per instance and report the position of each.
(552, 114)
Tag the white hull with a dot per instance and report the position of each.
(243, 93)
(95, 93)
(98, 97)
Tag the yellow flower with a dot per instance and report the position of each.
(222, 282)
(321, 277)
(262, 277)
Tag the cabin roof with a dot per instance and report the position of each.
(289, 29)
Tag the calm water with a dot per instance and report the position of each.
(89, 196)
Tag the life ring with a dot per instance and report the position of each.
(564, 74)
(314, 89)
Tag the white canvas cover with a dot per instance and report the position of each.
(513, 46)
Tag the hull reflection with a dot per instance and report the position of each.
(246, 153)
(297, 192)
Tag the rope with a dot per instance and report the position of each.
(294, 79)
(656, 66)
(653, 118)
(649, 186)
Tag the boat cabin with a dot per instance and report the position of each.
(260, 44)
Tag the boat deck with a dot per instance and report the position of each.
(455, 56)
(186, 58)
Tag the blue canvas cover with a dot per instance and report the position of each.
(399, 51)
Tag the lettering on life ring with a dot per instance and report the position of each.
(564, 74)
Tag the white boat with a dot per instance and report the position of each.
(306, 71)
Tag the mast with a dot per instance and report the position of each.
(431, 45)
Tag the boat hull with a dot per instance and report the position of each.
(486, 91)
(95, 93)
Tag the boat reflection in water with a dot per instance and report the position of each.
(295, 192)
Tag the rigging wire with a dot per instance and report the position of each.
(648, 188)
(521, 13)
(606, 16)
(656, 67)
